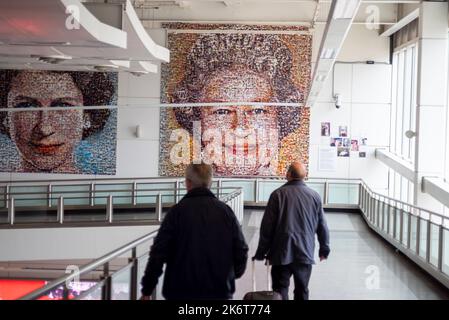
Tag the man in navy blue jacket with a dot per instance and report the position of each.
(294, 214)
(201, 243)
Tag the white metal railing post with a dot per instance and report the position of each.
(177, 187)
(326, 193)
(159, 207)
(109, 209)
(134, 193)
(49, 195)
(429, 225)
(360, 195)
(91, 194)
(256, 190)
(60, 210)
(7, 196)
(11, 211)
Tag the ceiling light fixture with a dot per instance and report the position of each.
(328, 53)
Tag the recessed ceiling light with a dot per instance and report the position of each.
(106, 67)
(52, 59)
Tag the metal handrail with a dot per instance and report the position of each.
(166, 179)
(100, 191)
(372, 215)
(419, 209)
(89, 267)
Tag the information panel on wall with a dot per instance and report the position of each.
(64, 140)
(229, 66)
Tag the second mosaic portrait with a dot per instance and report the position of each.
(239, 79)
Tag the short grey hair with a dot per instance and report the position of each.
(200, 175)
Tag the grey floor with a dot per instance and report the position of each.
(361, 265)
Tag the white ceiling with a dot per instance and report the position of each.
(30, 29)
(268, 11)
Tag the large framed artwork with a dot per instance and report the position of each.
(232, 73)
(67, 139)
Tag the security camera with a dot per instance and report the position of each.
(337, 99)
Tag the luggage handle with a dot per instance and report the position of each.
(254, 275)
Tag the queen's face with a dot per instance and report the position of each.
(241, 121)
(45, 139)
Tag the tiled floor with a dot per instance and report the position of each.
(361, 265)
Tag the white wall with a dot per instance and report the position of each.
(366, 97)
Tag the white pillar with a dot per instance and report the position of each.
(431, 114)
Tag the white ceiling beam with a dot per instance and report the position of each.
(401, 23)
(341, 15)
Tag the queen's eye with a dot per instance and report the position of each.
(26, 104)
(258, 111)
(61, 104)
(222, 112)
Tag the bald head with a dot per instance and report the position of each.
(296, 171)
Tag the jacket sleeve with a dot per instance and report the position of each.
(240, 249)
(159, 253)
(322, 232)
(268, 226)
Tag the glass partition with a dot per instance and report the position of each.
(434, 242)
(391, 226)
(318, 187)
(104, 190)
(79, 194)
(405, 224)
(121, 284)
(423, 238)
(94, 294)
(266, 187)
(397, 232)
(445, 263)
(2, 197)
(248, 187)
(413, 232)
(386, 209)
(343, 193)
(29, 196)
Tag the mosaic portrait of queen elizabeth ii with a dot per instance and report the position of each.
(239, 74)
(64, 140)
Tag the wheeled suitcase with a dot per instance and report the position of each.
(261, 295)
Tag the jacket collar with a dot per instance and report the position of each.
(296, 183)
(199, 192)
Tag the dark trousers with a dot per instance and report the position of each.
(301, 275)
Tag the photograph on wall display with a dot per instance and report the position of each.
(343, 131)
(364, 141)
(343, 152)
(62, 140)
(362, 154)
(229, 68)
(336, 142)
(354, 145)
(325, 129)
(346, 142)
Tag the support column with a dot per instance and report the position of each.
(431, 98)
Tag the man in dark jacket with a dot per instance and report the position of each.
(293, 215)
(201, 242)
